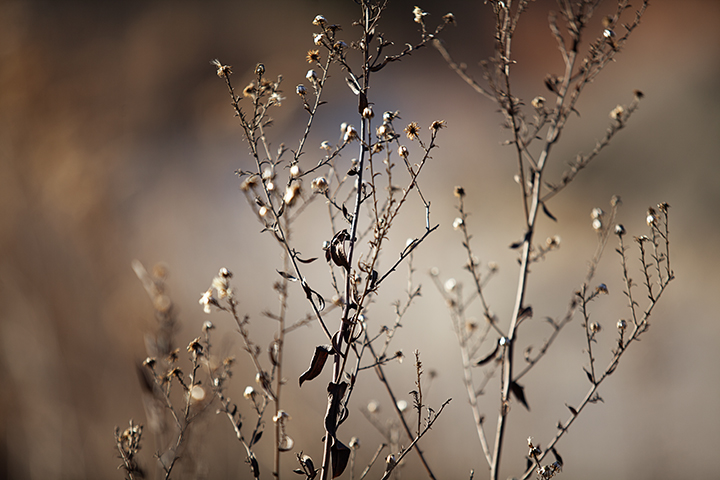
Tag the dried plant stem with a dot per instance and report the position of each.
(383, 379)
(413, 444)
(372, 460)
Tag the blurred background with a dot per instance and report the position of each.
(117, 142)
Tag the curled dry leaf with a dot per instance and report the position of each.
(316, 364)
(339, 456)
(288, 276)
(518, 392)
(487, 358)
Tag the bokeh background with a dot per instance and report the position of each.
(117, 142)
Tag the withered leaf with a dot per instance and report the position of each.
(288, 276)
(373, 279)
(547, 212)
(353, 84)
(487, 358)
(589, 376)
(256, 438)
(518, 392)
(526, 312)
(557, 456)
(254, 466)
(572, 409)
(516, 245)
(362, 103)
(339, 456)
(316, 364)
(309, 260)
(336, 392)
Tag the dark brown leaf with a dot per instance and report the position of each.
(362, 103)
(254, 466)
(487, 358)
(316, 364)
(557, 456)
(589, 376)
(572, 409)
(256, 438)
(526, 312)
(288, 276)
(518, 392)
(309, 260)
(336, 392)
(547, 212)
(339, 456)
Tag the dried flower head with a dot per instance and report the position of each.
(368, 113)
(383, 131)
(595, 327)
(207, 299)
(449, 18)
(260, 70)
(318, 38)
(222, 70)
(325, 145)
(457, 223)
(459, 191)
(651, 218)
(538, 103)
(373, 406)
(419, 14)
(319, 21)
(221, 286)
(619, 230)
(618, 113)
(350, 134)
(437, 125)
(195, 347)
(412, 130)
(403, 151)
(280, 416)
(319, 184)
(313, 56)
(311, 76)
(249, 392)
(390, 116)
(249, 90)
(301, 90)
